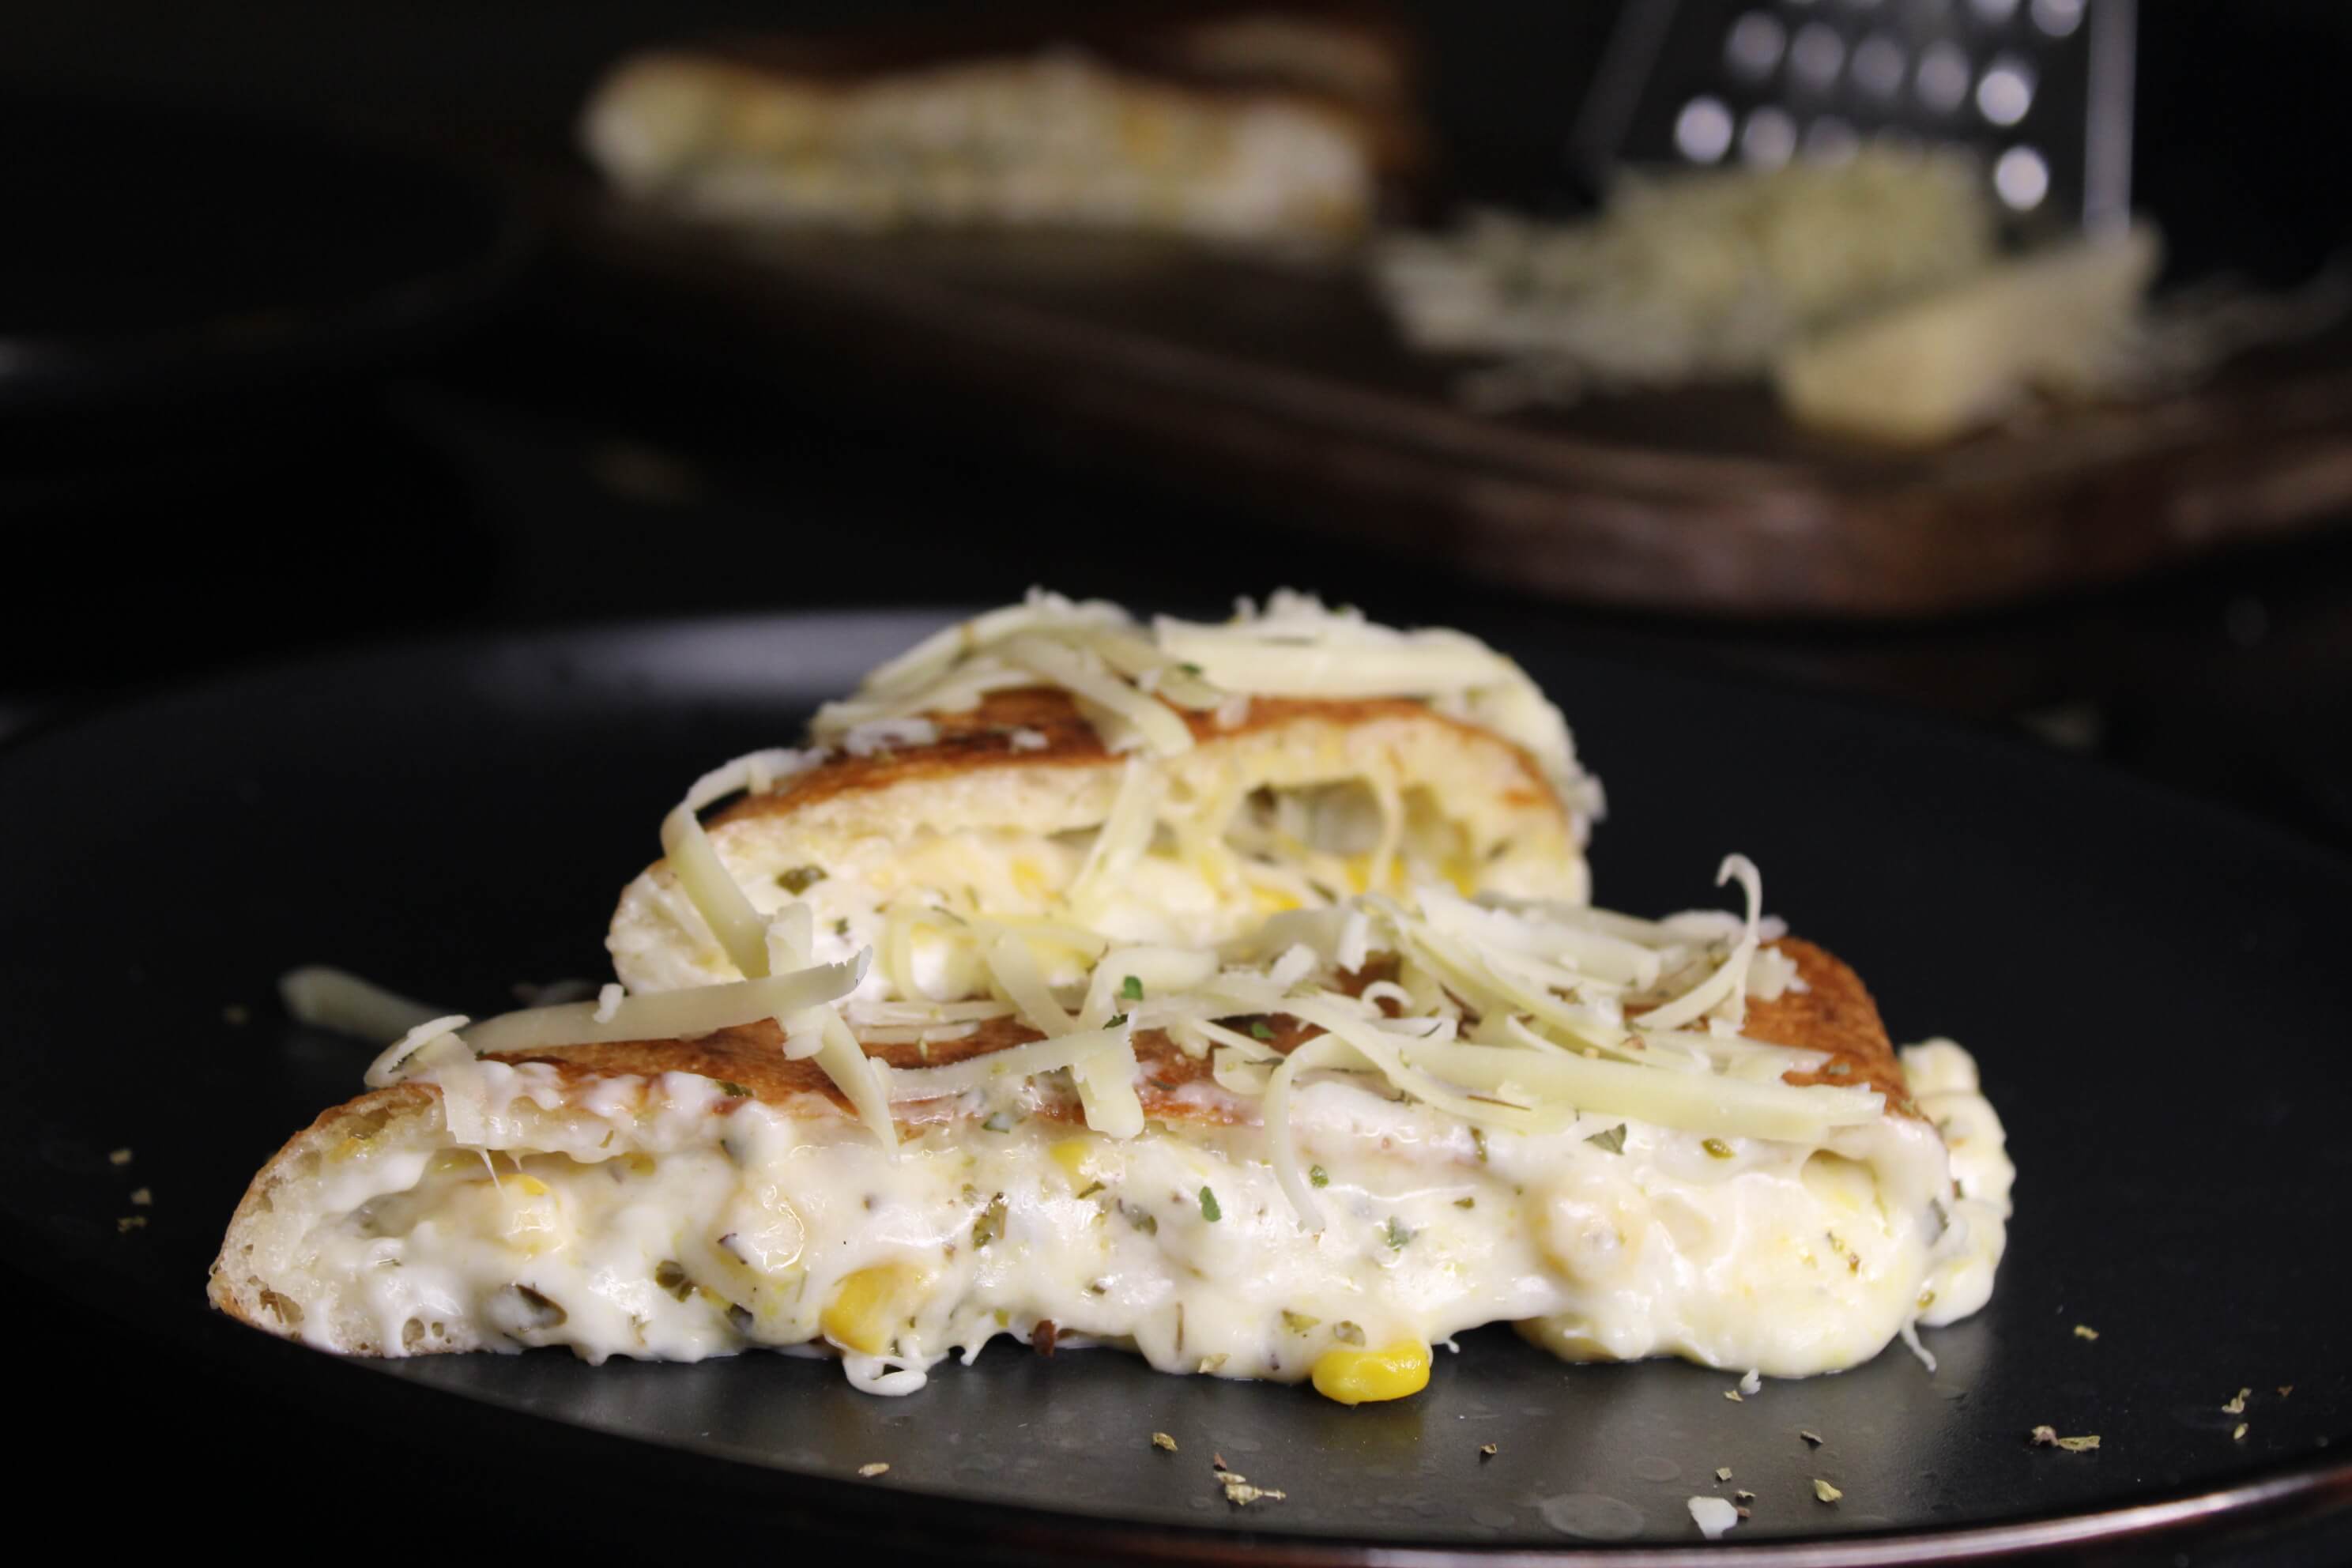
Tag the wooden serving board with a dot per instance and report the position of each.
(1284, 388)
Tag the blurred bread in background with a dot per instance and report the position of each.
(1249, 125)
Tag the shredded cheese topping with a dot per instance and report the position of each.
(1513, 1017)
(1134, 683)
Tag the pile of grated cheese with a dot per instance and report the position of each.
(1691, 277)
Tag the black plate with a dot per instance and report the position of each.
(2155, 989)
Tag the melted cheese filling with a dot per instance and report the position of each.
(637, 1221)
(1192, 871)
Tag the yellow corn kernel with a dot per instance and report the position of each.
(1362, 1376)
(1071, 1153)
(531, 1186)
(1271, 903)
(868, 1308)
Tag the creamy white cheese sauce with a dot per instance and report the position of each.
(661, 1219)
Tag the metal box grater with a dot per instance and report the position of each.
(2043, 88)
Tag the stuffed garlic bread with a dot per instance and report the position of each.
(1065, 768)
(1311, 1152)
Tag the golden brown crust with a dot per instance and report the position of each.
(985, 737)
(1834, 1014)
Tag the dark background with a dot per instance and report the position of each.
(553, 463)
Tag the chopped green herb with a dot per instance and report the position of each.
(1188, 667)
(1209, 1209)
(734, 1090)
(841, 926)
(990, 1225)
(1142, 1219)
(800, 878)
(1116, 1021)
(1396, 1234)
(1346, 1333)
(1717, 1148)
(1478, 1142)
(1092, 1190)
(1466, 1203)
(1131, 989)
(1000, 1122)
(1258, 1030)
(1297, 1323)
(1317, 1177)
(673, 1278)
(1612, 1142)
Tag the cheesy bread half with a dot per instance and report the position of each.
(1062, 768)
(1311, 1154)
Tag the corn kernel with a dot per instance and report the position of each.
(1362, 1376)
(869, 1307)
(532, 1185)
(1071, 1153)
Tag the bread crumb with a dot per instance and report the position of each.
(1825, 1492)
(1162, 1440)
(2237, 1406)
(869, 1471)
(130, 1223)
(2084, 1331)
(2240, 1435)
(1488, 1450)
(120, 1157)
(1813, 1438)
(1723, 1473)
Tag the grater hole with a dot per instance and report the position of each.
(2059, 18)
(1754, 46)
(1702, 131)
(1879, 66)
(1768, 139)
(1942, 79)
(1830, 139)
(2021, 178)
(1817, 56)
(2006, 91)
